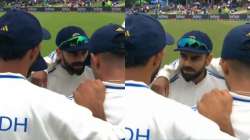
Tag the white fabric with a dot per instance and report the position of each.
(59, 80)
(190, 93)
(146, 115)
(240, 116)
(29, 112)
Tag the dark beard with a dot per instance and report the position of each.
(192, 77)
(70, 67)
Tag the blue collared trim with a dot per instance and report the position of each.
(215, 75)
(135, 85)
(70, 97)
(194, 108)
(11, 77)
(240, 99)
(174, 78)
(114, 87)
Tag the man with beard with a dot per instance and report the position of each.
(135, 107)
(235, 63)
(29, 112)
(192, 79)
(148, 115)
(69, 70)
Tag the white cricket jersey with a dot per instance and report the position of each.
(59, 80)
(240, 116)
(189, 93)
(146, 115)
(29, 112)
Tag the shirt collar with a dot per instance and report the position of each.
(131, 83)
(237, 97)
(9, 75)
(110, 85)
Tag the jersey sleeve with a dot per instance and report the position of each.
(169, 70)
(215, 67)
(51, 60)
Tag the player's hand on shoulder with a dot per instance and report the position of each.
(91, 94)
(39, 78)
(161, 86)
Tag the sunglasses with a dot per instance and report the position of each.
(76, 41)
(192, 43)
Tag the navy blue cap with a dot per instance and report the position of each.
(237, 44)
(109, 38)
(46, 34)
(67, 39)
(199, 38)
(23, 30)
(146, 36)
(39, 64)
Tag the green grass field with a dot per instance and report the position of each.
(91, 21)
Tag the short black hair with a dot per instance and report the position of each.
(135, 61)
(241, 68)
(9, 53)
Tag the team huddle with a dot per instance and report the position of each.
(110, 86)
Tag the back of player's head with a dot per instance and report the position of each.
(108, 39)
(19, 32)
(107, 50)
(145, 38)
(236, 44)
(236, 48)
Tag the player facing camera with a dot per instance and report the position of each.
(72, 49)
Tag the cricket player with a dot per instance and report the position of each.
(107, 53)
(143, 113)
(69, 69)
(192, 78)
(235, 63)
(29, 112)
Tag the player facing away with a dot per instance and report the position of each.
(143, 113)
(29, 112)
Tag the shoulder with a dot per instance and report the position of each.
(174, 78)
(57, 71)
(88, 73)
(52, 101)
(52, 68)
(214, 75)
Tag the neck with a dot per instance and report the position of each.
(13, 66)
(138, 74)
(114, 76)
(241, 88)
(200, 77)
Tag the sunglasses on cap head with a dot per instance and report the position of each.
(74, 41)
(192, 43)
